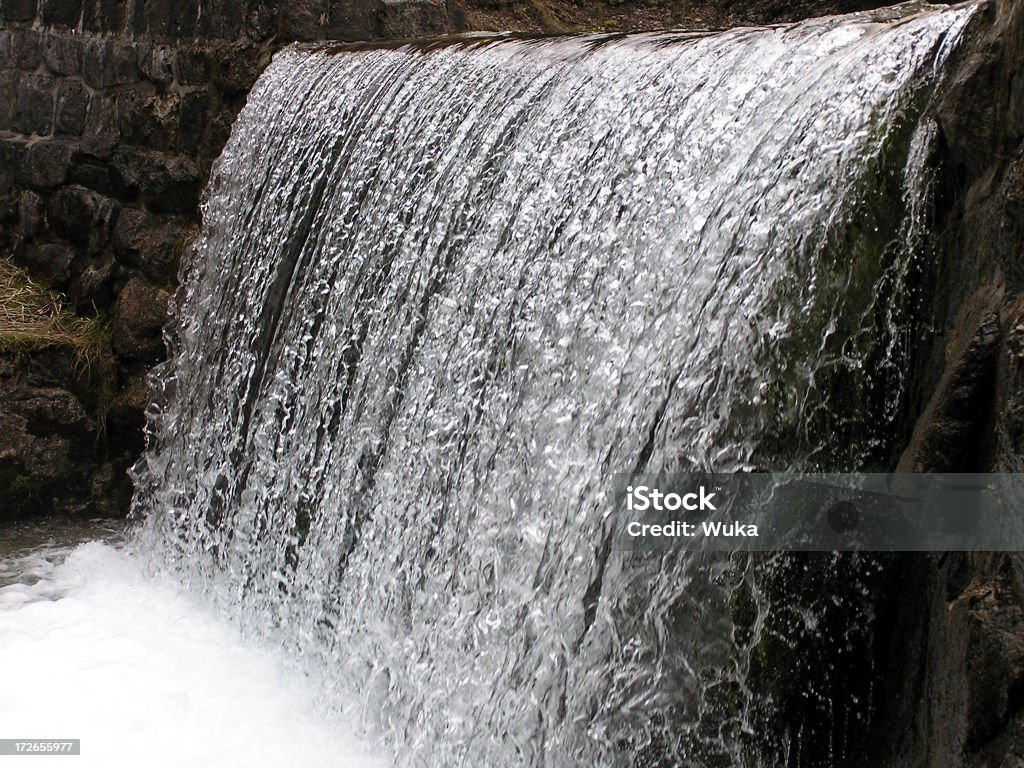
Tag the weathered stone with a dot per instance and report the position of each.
(236, 67)
(355, 20)
(62, 53)
(81, 216)
(50, 262)
(31, 210)
(221, 19)
(151, 244)
(60, 12)
(414, 18)
(8, 96)
(18, 10)
(157, 63)
(192, 65)
(147, 118)
(195, 106)
(165, 183)
(104, 16)
(93, 286)
(33, 113)
(72, 107)
(261, 20)
(7, 48)
(28, 49)
(139, 318)
(108, 62)
(96, 174)
(101, 132)
(46, 163)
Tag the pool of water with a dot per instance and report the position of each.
(94, 647)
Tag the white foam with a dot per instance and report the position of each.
(145, 675)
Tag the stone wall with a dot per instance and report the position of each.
(111, 114)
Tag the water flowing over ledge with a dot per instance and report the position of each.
(442, 294)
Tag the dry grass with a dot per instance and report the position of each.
(32, 317)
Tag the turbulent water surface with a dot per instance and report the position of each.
(92, 647)
(443, 292)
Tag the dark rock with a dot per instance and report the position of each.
(109, 62)
(8, 96)
(33, 113)
(414, 18)
(237, 68)
(62, 53)
(157, 63)
(139, 318)
(46, 163)
(18, 10)
(49, 262)
(72, 107)
(221, 19)
(7, 48)
(147, 118)
(93, 286)
(351, 21)
(92, 173)
(301, 20)
(151, 244)
(192, 65)
(31, 210)
(101, 135)
(60, 12)
(28, 49)
(165, 183)
(195, 106)
(104, 16)
(81, 216)
(261, 20)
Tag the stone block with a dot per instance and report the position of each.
(65, 13)
(150, 243)
(62, 53)
(33, 111)
(8, 97)
(107, 62)
(7, 48)
(27, 48)
(81, 216)
(221, 19)
(104, 16)
(147, 118)
(46, 162)
(195, 107)
(165, 183)
(93, 285)
(49, 262)
(400, 19)
(100, 135)
(31, 213)
(72, 107)
(192, 65)
(261, 20)
(18, 10)
(139, 318)
(157, 63)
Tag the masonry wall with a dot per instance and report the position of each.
(111, 115)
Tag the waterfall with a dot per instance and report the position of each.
(443, 291)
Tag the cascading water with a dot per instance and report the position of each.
(443, 292)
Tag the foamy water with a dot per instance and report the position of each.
(93, 648)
